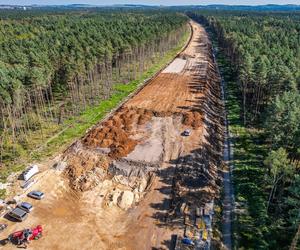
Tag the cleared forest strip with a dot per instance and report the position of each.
(144, 82)
(78, 125)
(143, 140)
(134, 178)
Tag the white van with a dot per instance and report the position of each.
(29, 172)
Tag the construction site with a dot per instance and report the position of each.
(148, 174)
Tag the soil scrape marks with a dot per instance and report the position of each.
(119, 132)
(134, 178)
(85, 169)
(116, 133)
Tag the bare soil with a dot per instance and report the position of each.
(125, 181)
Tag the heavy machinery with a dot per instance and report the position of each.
(25, 235)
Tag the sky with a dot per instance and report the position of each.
(148, 2)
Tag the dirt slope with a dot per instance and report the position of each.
(133, 180)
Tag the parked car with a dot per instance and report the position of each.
(27, 207)
(18, 214)
(2, 227)
(186, 132)
(38, 195)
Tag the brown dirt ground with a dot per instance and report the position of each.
(77, 220)
(166, 93)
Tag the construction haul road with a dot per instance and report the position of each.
(134, 180)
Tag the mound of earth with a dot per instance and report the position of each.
(85, 169)
(192, 119)
(116, 132)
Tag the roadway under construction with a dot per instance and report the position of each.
(133, 181)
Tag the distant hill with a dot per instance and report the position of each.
(268, 7)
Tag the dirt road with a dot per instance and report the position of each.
(134, 180)
(228, 194)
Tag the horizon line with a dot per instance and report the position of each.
(154, 5)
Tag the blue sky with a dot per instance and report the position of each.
(155, 2)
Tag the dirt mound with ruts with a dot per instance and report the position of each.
(85, 169)
(116, 132)
(192, 119)
(115, 138)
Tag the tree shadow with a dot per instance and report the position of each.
(3, 242)
(195, 179)
(8, 217)
(170, 244)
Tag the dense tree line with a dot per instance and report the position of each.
(53, 65)
(264, 54)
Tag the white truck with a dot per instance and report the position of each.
(29, 172)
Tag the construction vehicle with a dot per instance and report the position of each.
(25, 236)
(204, 235)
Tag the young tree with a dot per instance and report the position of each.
(280, 169)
